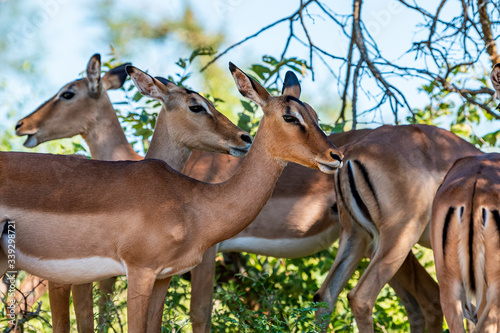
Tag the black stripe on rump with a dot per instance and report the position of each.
(496, 217)
(355, 193)
(446, 225)
(366, 176)
(471, 241)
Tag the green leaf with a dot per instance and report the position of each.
(137, 97)
(248, 106)
(181, 63)
(201, 52)
(260, 71)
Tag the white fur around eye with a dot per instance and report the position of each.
(299, 118)
(206, 108)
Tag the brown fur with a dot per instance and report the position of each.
(405, 166)
(471, 186)
(187, 212)
(100, 127)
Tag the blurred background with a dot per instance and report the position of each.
(47, 43)
(387, 62)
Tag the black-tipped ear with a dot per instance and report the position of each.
(232, 67)
(495, 78)
(166, 82)
(94, 75)
(248, 87)
(115, 78)
(291, 85)
(145, 83)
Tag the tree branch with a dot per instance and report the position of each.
(487, 35)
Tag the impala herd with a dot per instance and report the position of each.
(78, 220)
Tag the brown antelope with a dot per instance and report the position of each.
(465, 236)
(171, 220)
(187, 121)
(384, 199)
(300, 219)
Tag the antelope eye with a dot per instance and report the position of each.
(290, 119)
(197, 108)
(67, 95)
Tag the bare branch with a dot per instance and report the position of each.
(360, 43)
(267, 27)
(487, 35)
(465, 93)
(346, 84)
(355, 93)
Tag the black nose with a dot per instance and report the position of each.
(247, 138)
(19, 124)
(336, 157)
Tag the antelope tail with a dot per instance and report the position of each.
(473, 219)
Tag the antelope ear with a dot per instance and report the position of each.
(146, 84)
(167, 83)
(248, 87)
(495, 78)
(115, 78)
(94, 75)
(291, 86)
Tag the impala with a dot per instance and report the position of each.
(384, 199)
(465, 235)
(171, 220)
(187, 121)
(300, 219)
(465, 238)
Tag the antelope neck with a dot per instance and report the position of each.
(106, 139)
(229, 207)
(164, 147)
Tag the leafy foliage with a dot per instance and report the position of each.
(463, 117)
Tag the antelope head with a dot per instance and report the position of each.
(295, 134)
(74, 108)
(495, 79)
(190, 119)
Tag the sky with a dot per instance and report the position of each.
(69, 37)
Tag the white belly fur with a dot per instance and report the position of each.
(74, 271)
(282, 247)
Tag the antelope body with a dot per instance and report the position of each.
(191, 122)
(385, 198)
(465, 232)
(183, 216)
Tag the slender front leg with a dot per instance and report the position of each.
(202, 289)
(59, 306)
(156, 304)
(84, 307)
(140, 288)
(107, 288)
